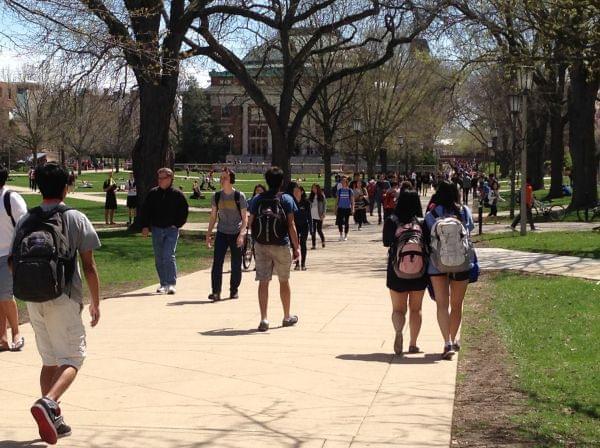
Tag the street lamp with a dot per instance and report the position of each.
(11, 119)
(525, 84)
(357, 127)
(230, 138)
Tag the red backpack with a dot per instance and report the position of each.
(389, 199)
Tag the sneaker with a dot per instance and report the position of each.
(63, 430)
(297, 267)
(359, 229)
(414, 349)
(345, 237)
(171, 289)
(398, 341)
(46, 414)
(303, 268)
(456, 346)
(323, 244)
(290, 321)
(161, 289)
(448, 352)
(234, 295)
(313, 248)
(513, 228)
(264, 325)
(341, 238)
(215, 297)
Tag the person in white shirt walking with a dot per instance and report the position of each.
(12, 208)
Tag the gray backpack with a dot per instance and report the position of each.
(451, 247)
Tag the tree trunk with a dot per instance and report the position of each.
(557, 135)
(536, 142)
(513, 180)
(383, 160)
(79, 164)
(327, 151)
(582, 100)
(283, 148)
(117, 161)
(151, 149)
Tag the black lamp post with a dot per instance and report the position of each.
(357, 127)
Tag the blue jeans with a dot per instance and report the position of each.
(164, 241)
(224, 241)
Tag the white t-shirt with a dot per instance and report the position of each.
(7, 231)
(314, 209)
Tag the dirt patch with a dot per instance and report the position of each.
(486, 393)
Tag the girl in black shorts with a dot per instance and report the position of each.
(405, 294)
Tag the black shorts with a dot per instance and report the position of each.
(111, 202)
(131, 201)
(456, 276)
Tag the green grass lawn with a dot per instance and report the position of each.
(551, 327)
(579, 244)
(126, 261)
(95, 210)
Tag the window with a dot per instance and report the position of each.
(225, 111)
(258, 140)
(255, 114)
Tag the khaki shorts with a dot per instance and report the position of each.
(269, 259)
(59, 331)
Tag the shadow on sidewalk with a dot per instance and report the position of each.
(390, 358)
(29, 443)
(197, 302)
(229, 332)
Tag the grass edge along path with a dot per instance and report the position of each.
(126, 262)
(585, 244)
(549, 327)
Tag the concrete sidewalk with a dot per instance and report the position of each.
(179, 371)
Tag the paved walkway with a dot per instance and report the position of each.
(178, 371)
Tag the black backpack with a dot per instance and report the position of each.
(270, 222)
(42, 268)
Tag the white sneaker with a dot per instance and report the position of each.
(171, 289)
(161, 289)
(346, 238)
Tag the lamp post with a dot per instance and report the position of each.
(230, 138)
(401, 144)
(515, 109)
(525, 83)
(357, 127)
(11, 119)
(494, 147)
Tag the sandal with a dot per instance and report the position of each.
(18, 346)
(5, 349)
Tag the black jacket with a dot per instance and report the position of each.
(164, 208)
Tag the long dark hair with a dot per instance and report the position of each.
(447, 197)
(319, 194)
(290, 188)
(256, 187)
(408, 206)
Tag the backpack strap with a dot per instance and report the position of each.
(434, 213)
(8, 207)
(217, 199)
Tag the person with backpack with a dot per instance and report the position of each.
(451, 258)
(272, 223)
(318, 207)
(164, 212)
(493, 194)
(301, 220)
(407, 267)
(381, 186)
(361, 202)
(46, 244)
(466, 187)
(12, 208)
(389, 199)
(228, 207)
(344, 207)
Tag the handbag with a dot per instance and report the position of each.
(474, 271)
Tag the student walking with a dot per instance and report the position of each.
(407, 263)
(389, 199)
(302, 222)
(361, 200)
(529, 207)
(164, 212)
(381, 187)
(493, 197)
(344, 207)
(12, 208)
(449, 225)
(318, 207)
(272, 223)
(131, 198)
(229, 208)
(110, 205)
(54, 310)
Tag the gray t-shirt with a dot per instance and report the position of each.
(230, 219)
(82, 238)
